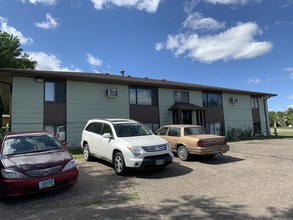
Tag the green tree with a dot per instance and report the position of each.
(281, 118)
(11, 55)
(273, 118)
(290, 116)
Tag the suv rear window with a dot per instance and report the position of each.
(94, 127)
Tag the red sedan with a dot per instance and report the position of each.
(32, 162)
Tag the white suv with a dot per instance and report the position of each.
(124, 143)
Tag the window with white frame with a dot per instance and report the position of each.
(55, 91)
(254, 102)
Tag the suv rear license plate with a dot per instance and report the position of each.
(160, 162)
(46, 184)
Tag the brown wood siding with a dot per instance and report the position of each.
(145, 113)
(55, 113)
(214, 115)
(255, 115)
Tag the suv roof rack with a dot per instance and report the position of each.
(119, 120)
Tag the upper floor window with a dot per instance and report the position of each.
(212, 100)
(181, 96)
(143, 96)
(254, 102)
(55, 91)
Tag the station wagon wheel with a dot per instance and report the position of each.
(183, 153)
(86, 153)
(119, 164)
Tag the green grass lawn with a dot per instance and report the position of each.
(288, 134)
(76, 152)
(283, 132)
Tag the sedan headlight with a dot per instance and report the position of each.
(135, 150)
(71, 164)
(12, 174)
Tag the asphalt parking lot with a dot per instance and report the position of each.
(254, 180)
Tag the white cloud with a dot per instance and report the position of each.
(253, 81)
(44, 2)
(284, 22)
(235, 43)
(11, 30)
(287, 4)
(159, 46)
(49, 62)
(290, 97)
(197, 21)
(231, 2)
(150, 6)
(94, 61)
(290, 71)
(189, 6)
(50, 23)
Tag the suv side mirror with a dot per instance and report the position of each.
(107, 135)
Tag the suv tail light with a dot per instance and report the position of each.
(200, 143)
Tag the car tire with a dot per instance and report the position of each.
(119, 164)
(183, 153)
(86, 153)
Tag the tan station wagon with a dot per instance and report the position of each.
(192, 139)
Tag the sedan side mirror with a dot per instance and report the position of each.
(65, 144)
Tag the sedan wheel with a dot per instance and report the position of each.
(86, 153)
(119, 164)
(183, 153)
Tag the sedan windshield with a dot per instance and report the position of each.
(194, 131)
(29, 144)
(131, 130)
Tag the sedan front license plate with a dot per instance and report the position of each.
(46, 184)
(160, 162)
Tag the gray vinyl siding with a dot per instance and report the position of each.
(262, 112)
(27, 104)
(237, 115)
(195, 98)
(166, 100)
(88, 100)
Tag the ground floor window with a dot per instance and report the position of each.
(215, 128)
(58, 130)
(152, 126)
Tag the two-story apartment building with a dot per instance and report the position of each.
(62, 102)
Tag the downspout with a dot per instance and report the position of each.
(265, 111)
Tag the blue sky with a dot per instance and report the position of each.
(238, 44)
